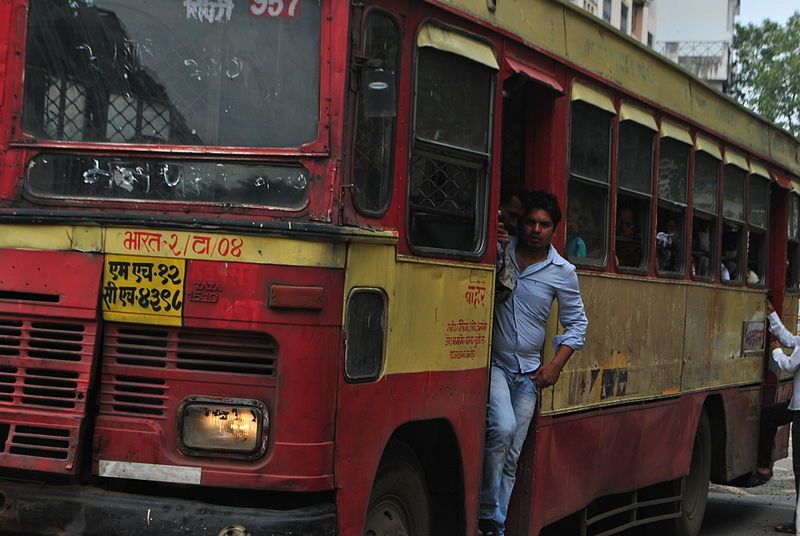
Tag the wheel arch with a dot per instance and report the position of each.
(436, 446)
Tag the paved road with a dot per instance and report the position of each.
(754, 511)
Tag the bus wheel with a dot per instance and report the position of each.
(695, 484)
(398, 505)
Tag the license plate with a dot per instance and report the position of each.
(143, 289)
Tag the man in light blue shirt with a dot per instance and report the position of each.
(517, 374)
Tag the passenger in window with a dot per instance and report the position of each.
(667, 244)
(724, 273)
(576, 221)
(518, 334)
(730, 252)
(752, 277)
(628, 244)
(701, 249)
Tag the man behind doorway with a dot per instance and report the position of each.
(518, 336)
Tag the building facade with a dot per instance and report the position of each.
(698, 36)
(636, 18)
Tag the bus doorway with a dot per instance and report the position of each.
(530, 136)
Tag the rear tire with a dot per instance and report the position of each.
(398, 504)
(695, 484)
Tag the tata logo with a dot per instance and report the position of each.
(378, 85)
(205, 291)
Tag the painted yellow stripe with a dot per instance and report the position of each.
(52, 237)
(199, 245)
(440, 313)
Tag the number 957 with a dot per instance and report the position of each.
(274, 8)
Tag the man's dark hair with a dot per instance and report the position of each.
(510, 190)
(541, 200)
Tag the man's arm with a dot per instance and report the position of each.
(787, 363)
(780, 332)
(548, 374)
(572, 316)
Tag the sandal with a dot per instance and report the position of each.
(786, 528)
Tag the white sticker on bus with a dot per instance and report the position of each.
(175, 474)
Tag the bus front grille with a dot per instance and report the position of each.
(45, 372)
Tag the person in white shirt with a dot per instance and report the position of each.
(788, 363)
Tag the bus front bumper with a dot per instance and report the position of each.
(78, 510)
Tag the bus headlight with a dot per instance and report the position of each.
(238, 427)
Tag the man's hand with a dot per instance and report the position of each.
(502, 234)
(547, 375)
(770, 308)
(775, 344)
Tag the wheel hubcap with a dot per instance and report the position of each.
(388, 518)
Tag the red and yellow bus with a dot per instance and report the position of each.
(248, 254)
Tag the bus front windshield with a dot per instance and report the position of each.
(240, 73)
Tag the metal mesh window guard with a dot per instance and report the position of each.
(156, 71)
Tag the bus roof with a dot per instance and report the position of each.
(568, 32)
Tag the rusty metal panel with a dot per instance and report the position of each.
(598, 48)
(715, 320)
(634, 346)
(724, 116)
(789, 313)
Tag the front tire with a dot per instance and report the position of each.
(398, 504)
(695, 484)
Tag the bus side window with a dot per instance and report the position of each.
(634, 194)
(793, 244)
(589, 170)
(450, 152)
(758, 201)
(673, 170)
(375, 126)
(733, 223)
(705, 216)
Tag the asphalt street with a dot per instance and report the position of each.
(754, 511)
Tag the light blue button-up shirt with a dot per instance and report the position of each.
(520, 321)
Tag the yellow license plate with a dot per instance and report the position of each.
(143, 289)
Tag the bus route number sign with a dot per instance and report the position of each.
(142, 287)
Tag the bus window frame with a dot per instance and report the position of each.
(646, 228)
(319, 147)
(595, 264)
(763, 273)
(741, 225)
(482, 209)
(715, 218)
(676, 207)
(356, 103)
(793, 285)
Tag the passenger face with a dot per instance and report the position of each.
(536, 229)
(626, 224)
(510, 213)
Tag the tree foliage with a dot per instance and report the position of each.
(766, 76)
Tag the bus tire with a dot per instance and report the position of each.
(695, 484)
(398, 504)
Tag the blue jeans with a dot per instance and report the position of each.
(512, 401)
